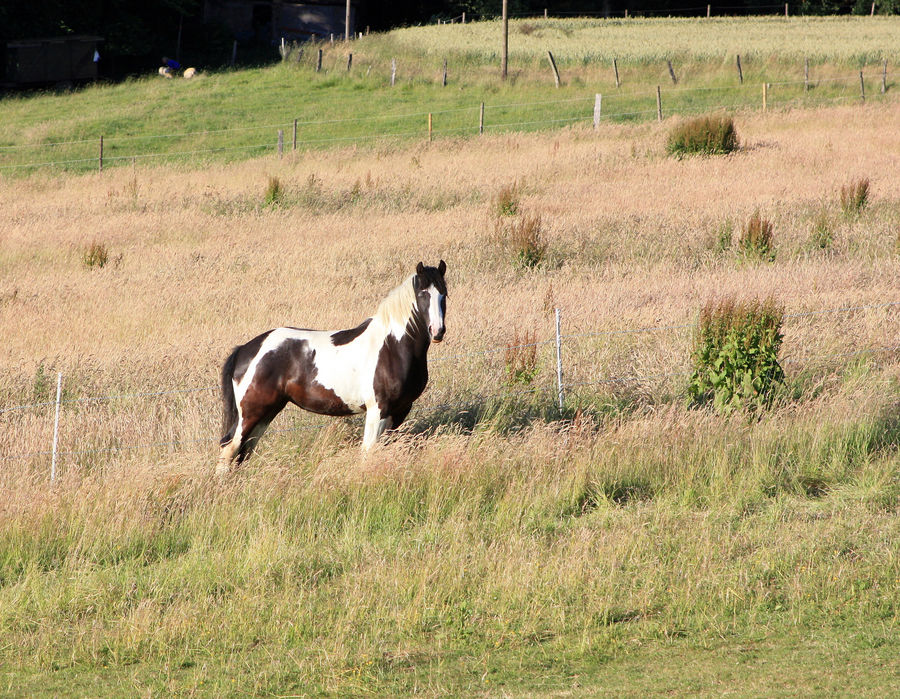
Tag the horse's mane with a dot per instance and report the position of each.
(397, 307)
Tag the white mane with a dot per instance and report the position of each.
(398, 306)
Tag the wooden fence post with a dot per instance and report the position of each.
(280, 142)
(319, 62)
(785, 10)
(553, 65)
(671, 72)
(349, 61)
(616, 69)
(101, 153)
(598, 101)
(444, 80)
(393, 71)
(481, 120)
(740, 72)
(294, 139)
(806, 75)
(429, 127)
(765, 96)
(872, 13)
(658, 104)
(862, 87)
(708, 10)
(884, 77)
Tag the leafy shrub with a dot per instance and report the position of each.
(735, 355)
(95, 255)
(756, 238)
(855, 196)
(713, 134)
(506, 201)
(521, 359)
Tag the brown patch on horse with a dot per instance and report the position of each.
(344, 337)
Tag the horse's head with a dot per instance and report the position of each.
(431, 297)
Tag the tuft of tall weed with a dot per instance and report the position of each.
(712, 134)
(855, 196)
(822, 231)
(520, 358)
(756, 238)
(95, 255)
(523, 236)
(506, 201)
(735, 356)
(274, 194)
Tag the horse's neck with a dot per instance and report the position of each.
(415, 338)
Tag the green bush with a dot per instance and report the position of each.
(735, 355)
(706, 135)
(95, 255)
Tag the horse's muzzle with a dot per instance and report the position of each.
(439, 335)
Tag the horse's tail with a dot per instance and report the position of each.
(229, 405)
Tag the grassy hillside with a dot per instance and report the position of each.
(626, 544)
(234, 115)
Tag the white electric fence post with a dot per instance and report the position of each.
(559, 361)
(56, 427)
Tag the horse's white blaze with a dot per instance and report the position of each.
(435, 312)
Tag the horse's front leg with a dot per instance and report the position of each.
(375, 426)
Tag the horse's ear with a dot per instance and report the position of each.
(442, 267)
(420, 268)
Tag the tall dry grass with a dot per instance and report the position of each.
(631, 527)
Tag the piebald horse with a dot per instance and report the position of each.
(379, 368)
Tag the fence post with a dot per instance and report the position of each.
(444, 81)
(319, 61)
(101, 153)
(862, 87)
(765, 96)
(559, 382)
(708, 10)
(553, 65)
(349, 61)
(598, 101)
(616, 69)
(806, 75)
(481, 120)
(671, 72)
(785, 10)
(280, 142)
(884, 77)
(393, 71)
(294, 140)
(56, 427)
(740, 72)
(658, 104)
(429, 127)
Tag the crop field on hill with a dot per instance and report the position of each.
(233, 115)
(498, 546)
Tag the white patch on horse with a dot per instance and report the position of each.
(435, 314)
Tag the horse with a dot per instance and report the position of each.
(379, 368)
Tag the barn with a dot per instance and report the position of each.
(272, 20)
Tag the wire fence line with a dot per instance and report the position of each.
(479, 124)
(458, 401)
(447, 358)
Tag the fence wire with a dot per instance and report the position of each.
(461, 401)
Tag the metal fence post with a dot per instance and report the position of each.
(559, 382)
(56, 427)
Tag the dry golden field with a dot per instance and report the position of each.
(561, 557)
(198, 263)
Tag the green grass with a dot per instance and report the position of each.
(236, 114)
(712, 557)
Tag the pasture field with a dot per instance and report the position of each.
(625, 545)
(232, 115)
